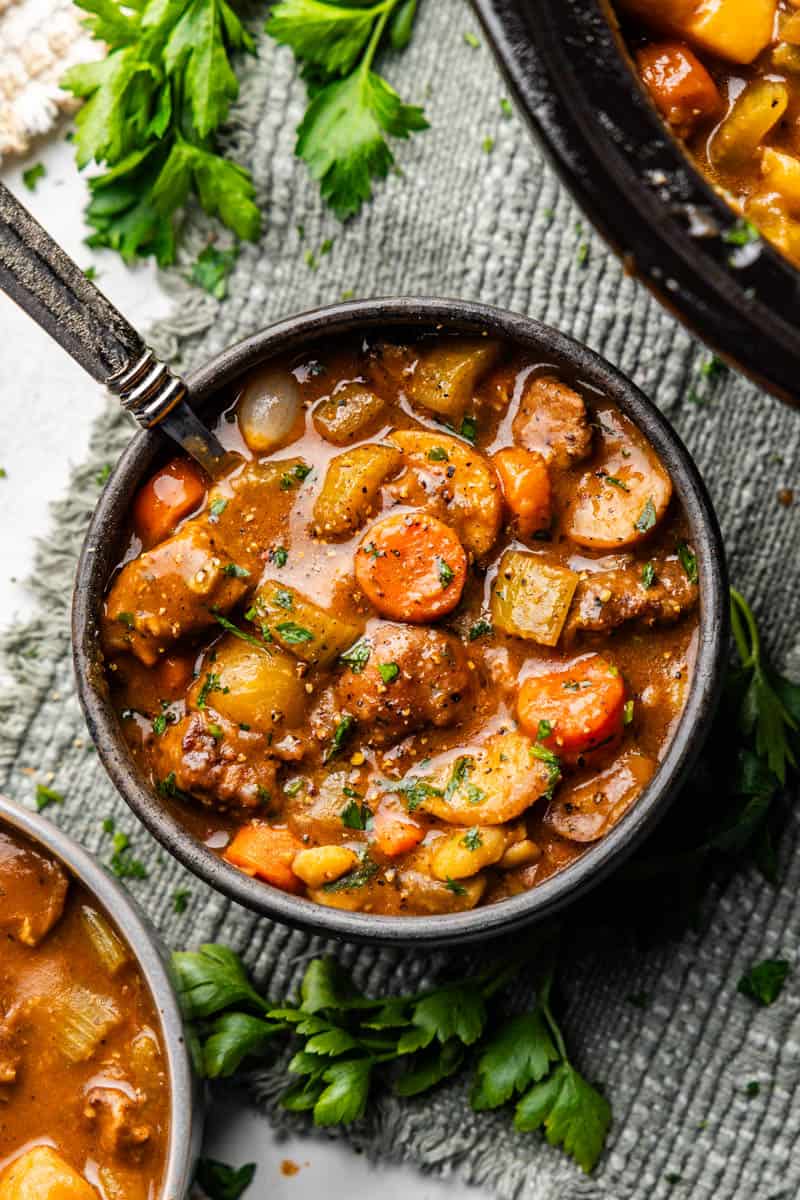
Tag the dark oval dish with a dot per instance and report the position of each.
(103, 546)
(570, 72)
(186, 1104)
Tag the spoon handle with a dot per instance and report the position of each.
(45, 282)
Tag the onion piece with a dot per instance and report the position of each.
(111, 951)
(269, 408)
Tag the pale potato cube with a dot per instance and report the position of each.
(349, 493)
(465, 852)
(445, 376)
(349, 414)
(259, 687)
(737, 30)
(323, 864)
(782, 174)
(299, 626)
(42, 1174)
(488, 784)
(531, 598)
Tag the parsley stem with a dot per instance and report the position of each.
(745, 630)
(383, 12)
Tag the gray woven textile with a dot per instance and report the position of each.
(496, 227)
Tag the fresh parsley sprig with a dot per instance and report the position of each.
(352, 110)
(349, 1044)
(153, 107)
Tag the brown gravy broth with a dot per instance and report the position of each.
(84, 1094)
(445, 709)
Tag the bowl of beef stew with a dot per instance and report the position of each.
(683, 214)
(97, 1099)
(437, 651)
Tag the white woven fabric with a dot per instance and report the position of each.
(39, 39)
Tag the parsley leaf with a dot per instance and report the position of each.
(764, 981)
(388, 671)
(212, 979)
(221, 1182)
(32, 176)
(688, 561)
(648, 575)
(341, 733)
(764, 714)
(180, 900)
(519, 1054)
(357, 656)
(446, 572)
(343, 135)
(480, 629)
(574, 1114)
(152, 109)
(293, 634)
(355, 815)
(647, 517)
(45, 796)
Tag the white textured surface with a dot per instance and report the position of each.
(47, 407)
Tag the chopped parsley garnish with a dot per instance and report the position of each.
(211, 269)
(294, 634)
(469, 429)
(293, 786)
(472, 839)
(688, 560)
(279, 556)
(752, 1088)
(357, 878)
(216, 508)
(647, 517)
(471, 40)
(764, 981)
(168, 787)
(372, 550)
(627, 712)
(357, 656)
(743, 233)
(211, 683)
(236, 631)
(553, 764)
(234, 571)
(480, 629)
(290, 479)
(216, 731)
(180, 900)
(454, 886)
(446, 572)
(414, 790)
(505, 107)
(617, 483)
(45, 796)
(32, 176)
(103, 474)
(438, 454)
(341, 733)
(160, 724)
(356, 815)
(388, 671)
(126, 619)
(460, 774)
(648, 574)
(122, 862)
(487, 144)
(283, 598)
(543, 730)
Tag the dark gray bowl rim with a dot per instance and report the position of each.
(140, 937)
(579, 364)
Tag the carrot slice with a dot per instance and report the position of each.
(574, 710)
(394, 831)
(260, 849)
(169, 496)
(411, 567)
(526, 487)
(681, 87)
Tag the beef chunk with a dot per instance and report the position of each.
(215, 762)
(33, 890)
(610, 598)
(552, 420)
(431, 685)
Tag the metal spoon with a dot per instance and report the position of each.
(45, 282)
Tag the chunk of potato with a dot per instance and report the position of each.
(323, 864)
(352, 483)
(42, 1174)
(624, 493)
(521, 854)
(584, 811)
(350, 413)
(256, 687)
(737, 30)
(782, 174)
(446, 375)
(466, 852)
(425, 894)
(487, 784)
(531, 598)
(757, 109)
(300, 626)
(454, 482)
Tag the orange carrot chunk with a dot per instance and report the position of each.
(526, 488)
(680, 86)
(169, 496)
(575, 709)
(260, 849)
(394, 832)
(411, 567)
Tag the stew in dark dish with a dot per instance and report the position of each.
(84, 1096)
(428, 640)
(725, 74)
